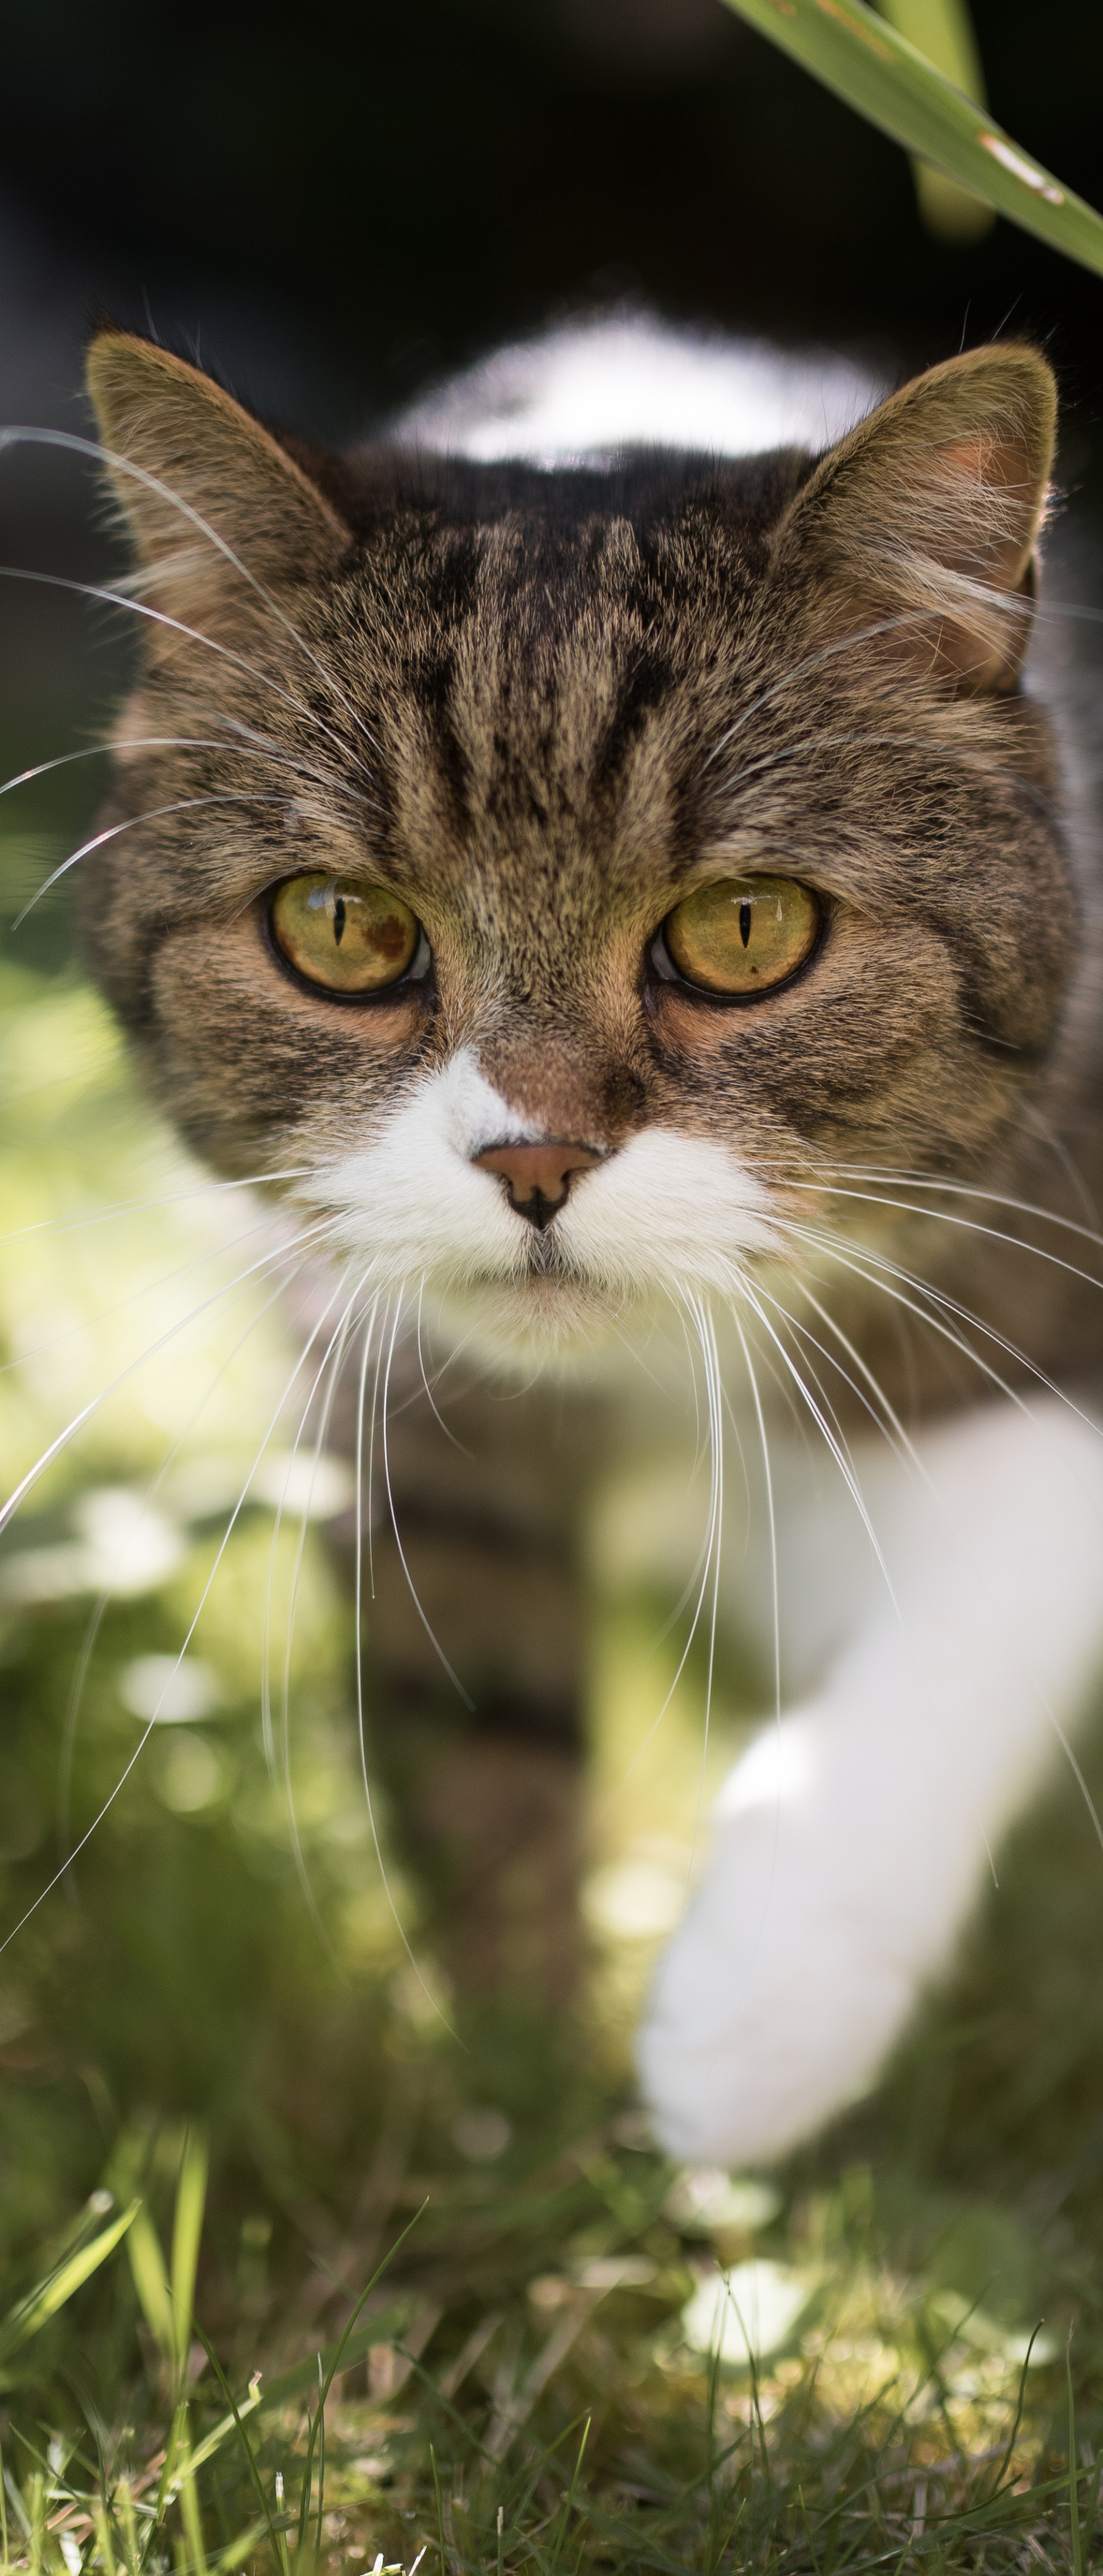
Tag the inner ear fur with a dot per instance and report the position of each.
(200, 462)
(923, 523)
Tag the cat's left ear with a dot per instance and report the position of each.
(921, 527)
(217, 509)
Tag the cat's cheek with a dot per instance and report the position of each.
(709, 1033)
(233, 1047)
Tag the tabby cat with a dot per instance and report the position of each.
(621, 897)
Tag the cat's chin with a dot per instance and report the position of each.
(555, 1323)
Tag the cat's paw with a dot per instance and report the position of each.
(797, 1964)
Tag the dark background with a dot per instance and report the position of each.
(332, 211)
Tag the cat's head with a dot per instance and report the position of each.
(553, 874)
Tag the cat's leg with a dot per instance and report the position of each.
(849, 1842)
(475, 1567)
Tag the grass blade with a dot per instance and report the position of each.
(187, 2228)
(151, 2282)
(279, 2548)
(1074, 2500)
(326, 2384)
(47, 2296)
(856, 53)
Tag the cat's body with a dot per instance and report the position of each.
(550, 710)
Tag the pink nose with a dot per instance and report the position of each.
(537, 1177)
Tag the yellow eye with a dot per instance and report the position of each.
(743, 934)
(350, 938)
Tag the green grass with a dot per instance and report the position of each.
(266, 2086)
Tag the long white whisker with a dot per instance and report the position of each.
(137, 1207)
(906, 1447)
(267, 1734)
(151, 1722)
(95, 1403)
(819, 1417)
(150, 1288)
(101, 455)
(153, 814)
(175, 625)
(705, 1552)
(809, 662)
(987, 1233)
(771, 1515)
(72, 1714)
(358, 1581)
(712, 1362)
(879, 1271)
(433, 1639)
(333, 1360)
(807, 1340)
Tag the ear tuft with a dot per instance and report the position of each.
(214, 504)
(923, 524)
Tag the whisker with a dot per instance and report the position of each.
(333, 1360)
(95, 1403)
(949, 1305)
(76, 1695)
(154, 814)
(175, 625)
(449, 1435)
(993, 1234)
(819, 1417)
(152, 1720)
(101, 1215)
(874, 1404)
(829, 1178)
(149, 1288)
(712, 1365)
(93, 448)
(771, 1515)
(905, 1447)
(433, 1639)
(267, 1732)
(358, 1581)
(810, 662)
(705, 1552)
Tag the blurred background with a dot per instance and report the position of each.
(333, 213)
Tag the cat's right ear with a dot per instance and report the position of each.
(920, 529)
(218, 511)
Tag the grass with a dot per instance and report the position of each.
(293, 2276)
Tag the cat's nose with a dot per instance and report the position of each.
(537, 1177)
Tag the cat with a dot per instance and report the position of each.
(595, 860)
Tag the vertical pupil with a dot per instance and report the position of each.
(339, 919)
(744, 923)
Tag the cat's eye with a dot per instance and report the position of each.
(350, 938)
(742, 935)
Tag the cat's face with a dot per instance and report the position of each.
(553, 875)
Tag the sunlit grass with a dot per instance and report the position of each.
(525, 2385)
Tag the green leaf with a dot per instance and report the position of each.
(50, 2294)
(865, 61)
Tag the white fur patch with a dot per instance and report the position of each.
(576, 394)
(666, 1214)
(850, 1840)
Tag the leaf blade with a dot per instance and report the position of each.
(858, 55)
(50, 2294)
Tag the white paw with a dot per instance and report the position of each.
(800, 1958)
